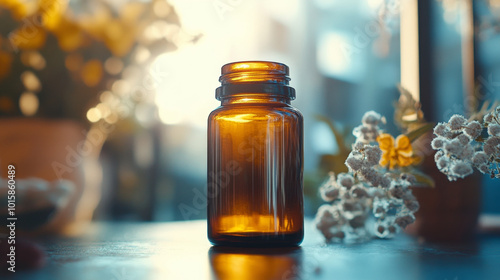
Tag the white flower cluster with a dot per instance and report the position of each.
(396, 207)
(460, 147)
(368, 131)
(362, 161)
(347, 217)
(365, 190)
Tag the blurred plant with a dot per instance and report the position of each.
(335, 162)
(381, 170)
(81, 60)
(388, 14)
(486, 13)
(408, 113)
(489, 24)
(462, 143)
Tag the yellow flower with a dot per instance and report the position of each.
(92, 73)
(399, 153)
(119, 34)
(18, 9)
(28, 37)
(51, 12)
(70, 35)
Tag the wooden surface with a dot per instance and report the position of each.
(180, 250)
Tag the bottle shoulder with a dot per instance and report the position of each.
(256, 112)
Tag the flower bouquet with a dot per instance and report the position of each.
(374, 197)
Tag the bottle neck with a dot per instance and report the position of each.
(255, 99)
(254, 80)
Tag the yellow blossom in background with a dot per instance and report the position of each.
(92, 72)
(70, 35)
(18, 9)
(396, 152)
(96, 41)
(52, 11)
(28, 37)
(119, 34)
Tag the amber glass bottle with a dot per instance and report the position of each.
(255, 159)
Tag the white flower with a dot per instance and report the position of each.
(494, 130)
(357, 221)
(412, 205)
(358, 146)
(461, 169)
(345, 180)
(404, 221)
(381, 231)
(473, 129)
(483, 169)
(453, 147)
(354, 163)
(439, 154)
(488, 118)
(397, 191)
(328, 216)
(438, 142)
(442, 163)
(456, 122)
(368, 131)
(441, 130)
(365, 134)
(329, 191)
(464, 139)
(407, 179)
(380, 207)
(491, 146)
(372, 118)
(359, 192)
(480, 161)
(480, 158)
(467, 152)
(372, 155)
(371, 176)
(329, 194)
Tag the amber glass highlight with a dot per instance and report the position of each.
(255, 159)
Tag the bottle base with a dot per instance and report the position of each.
(257, 239)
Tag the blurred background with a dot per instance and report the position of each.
(140, 78)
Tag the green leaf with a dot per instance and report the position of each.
(335, 163)
(338, 136)
(422, 179)
(415, 134)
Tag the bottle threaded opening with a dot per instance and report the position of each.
(254, 77)
(254, 72)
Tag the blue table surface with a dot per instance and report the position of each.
(180, 250)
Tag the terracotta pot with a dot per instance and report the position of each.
(51, 151)
(449, 212)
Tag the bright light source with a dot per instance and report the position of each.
(334, 54)
(28, 103)
(170, 117)
(374, 4)
(93, 115)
